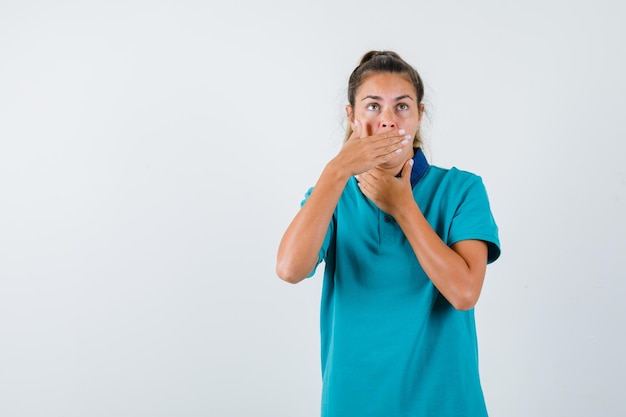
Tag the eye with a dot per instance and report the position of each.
(373, 106)
(402, 106)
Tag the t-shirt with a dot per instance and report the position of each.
(391, 344)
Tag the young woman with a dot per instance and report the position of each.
(406, 247)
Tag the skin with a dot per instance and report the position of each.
(385, 118)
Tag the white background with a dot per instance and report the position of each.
(153, 152)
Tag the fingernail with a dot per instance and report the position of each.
(411, 162)
(398, 150)
(405, 142)
(407, 137)
(401, 131)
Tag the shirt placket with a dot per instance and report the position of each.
(386, 226)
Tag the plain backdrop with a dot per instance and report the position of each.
(153, 152)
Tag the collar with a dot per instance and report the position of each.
(420, 166)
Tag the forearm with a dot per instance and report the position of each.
(299, 248)
(458, 276)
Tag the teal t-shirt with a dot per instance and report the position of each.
(391, 344)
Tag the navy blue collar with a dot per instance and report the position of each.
(420, 166)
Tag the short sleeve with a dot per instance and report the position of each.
(473, 219)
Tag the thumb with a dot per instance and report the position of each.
(356, 130)
(406, 170)
(360, 129)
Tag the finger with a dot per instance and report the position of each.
(356, 130)
(363, 131)
(363, 181)
(406, 170)
(375, 173)
(396, 138)
(389, 146)
(366, 177)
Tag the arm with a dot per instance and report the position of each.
(299, 248)
(302, 241)
(458, 271)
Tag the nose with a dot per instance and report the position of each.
(387, 121)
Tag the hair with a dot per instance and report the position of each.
(374, 62)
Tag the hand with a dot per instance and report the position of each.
(362, 152)
(388, 192)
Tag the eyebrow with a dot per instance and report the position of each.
(380, 98)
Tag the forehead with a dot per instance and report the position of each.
(385, 84)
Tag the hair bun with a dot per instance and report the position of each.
(372, 54)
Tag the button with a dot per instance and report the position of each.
(387, 219)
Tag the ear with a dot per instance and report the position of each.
(350, 114)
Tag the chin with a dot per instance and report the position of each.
(398, 160)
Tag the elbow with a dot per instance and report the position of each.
(465, 300)
(288, 273)
(292, 268)
(465, 294)
(463, 305)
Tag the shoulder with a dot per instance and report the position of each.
(452, 173)
(463, 196)
(451, 179)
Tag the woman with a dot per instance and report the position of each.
(406, 247)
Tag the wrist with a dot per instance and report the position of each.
(405, 209)
(336, 170)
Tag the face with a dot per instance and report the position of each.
(385, 102)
